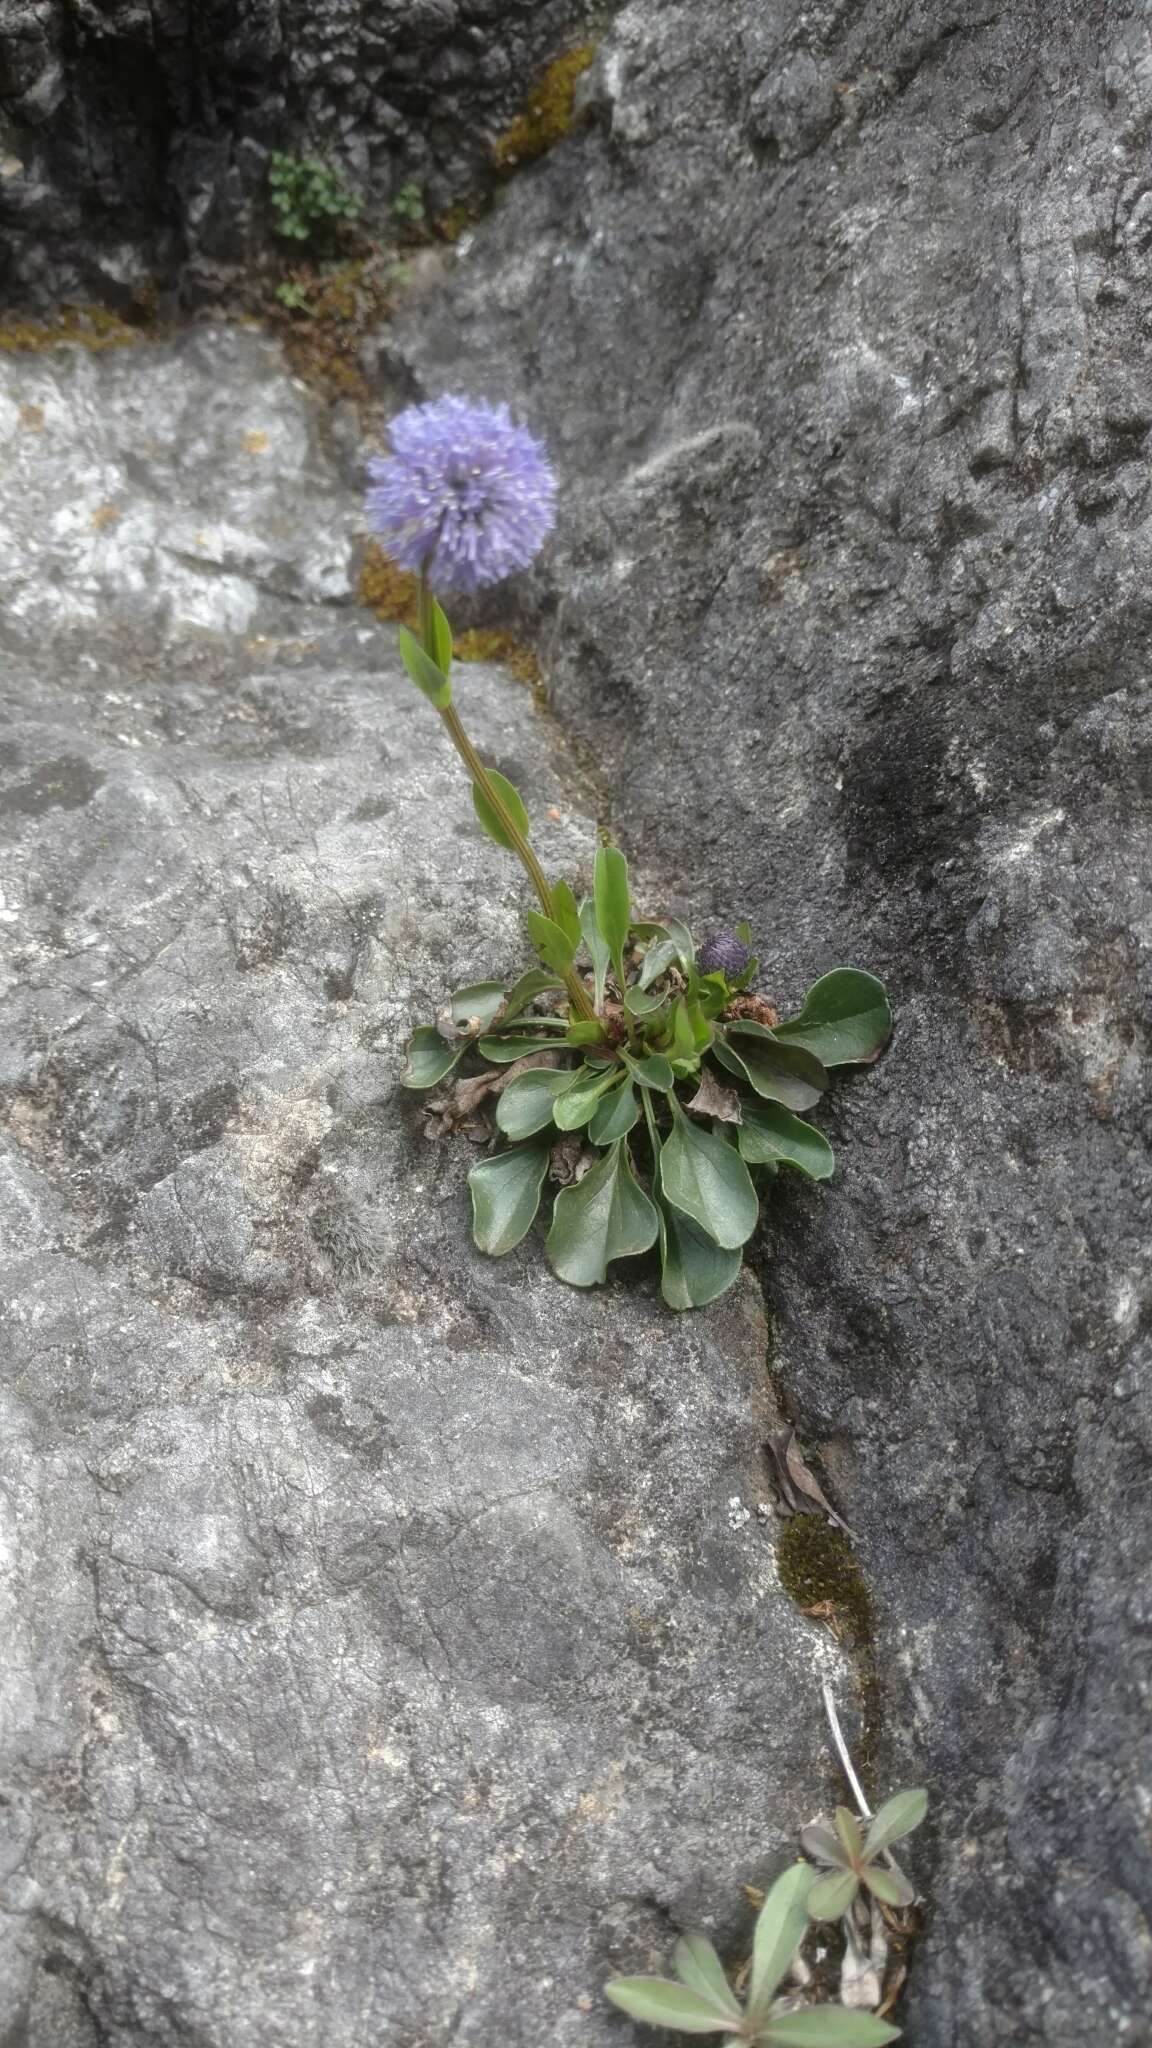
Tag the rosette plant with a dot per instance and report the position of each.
(681, 1087)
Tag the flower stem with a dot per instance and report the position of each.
(578, 994)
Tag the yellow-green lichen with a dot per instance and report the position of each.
(549, 113)
(492, 644)
(819, 1572)
(93, 327)
(390, 592)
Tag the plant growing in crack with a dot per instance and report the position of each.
(854, 1859)
(643, 1073)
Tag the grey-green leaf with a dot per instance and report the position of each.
(694, 1268)
(885, 1884)
(845, 1020)
(831, 1896)
(781, 1073)
(828, 2026)
(769, 1132)
(605, 1216)
(697, 1965)
(483, 1000)
(502, 1051)
(657, 960)
(553, 945)
(565, 913)
(613, 903)
(896, 1818)
(440, 633)
(430, 1057)
(780, 1928)
(639, 1003)
(597, 948)
(491, 820)
(506, 1195)
(702, 1175)
(581, 1098)
(424, 672)
(615, 1116)
(525, 1106)
(653, 1071)
(526, 990)
(662, 2003)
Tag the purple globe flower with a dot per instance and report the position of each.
(723, 953)
(465, 494)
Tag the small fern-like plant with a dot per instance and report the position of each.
(308, 197)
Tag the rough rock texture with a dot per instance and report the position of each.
(392, 1645)
(840, 326)
(135, 137)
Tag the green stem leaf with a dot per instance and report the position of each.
(506, 1195)
(603, 1217)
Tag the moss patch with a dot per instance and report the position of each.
(549, 113)
(91, 326)
(480, 644)
(390, 592)
(330, 313)
(819, 1572)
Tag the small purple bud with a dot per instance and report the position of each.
(723, 953)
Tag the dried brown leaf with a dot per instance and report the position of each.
(798, 1487)
(713, 1099)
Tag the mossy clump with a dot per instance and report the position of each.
(390, 592)
(465, 214)
(93, 327)
(549, 113)
(492, 644)
(322, 317)
(819, 1572)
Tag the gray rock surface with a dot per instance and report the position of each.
(839, 326)
(392, 1645)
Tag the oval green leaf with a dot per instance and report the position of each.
(845, 1021)
(615, 1116)
(694, 1269)
(664, 2004)
(603, 1217)
(769, 1132)
(896, 1818)
(831, 1896)
(780, 1073)
(697, 1965)
(613, 903)
(661, 955)
(424, 672)
(506, 1195)
(886, 1885)
(705, 1177)
(430, 1057)
(525, 1106)
(502, 1051)
(581, 1098)
(513, 803)
(553, 945)
(482, 1000)
(565, 913)
(828, 2026)
(653, 1071)
(440, 637)
(527, 989)
(780, 1928)
(639, 1003)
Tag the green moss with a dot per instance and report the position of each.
(390, 592)
(93, 327)
(819, 1572)
(492, 644)
(549, 113)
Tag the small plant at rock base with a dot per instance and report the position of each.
(642, 1072)
(700, 1999)
(853, 1858)
(408, 206)
(308, 196)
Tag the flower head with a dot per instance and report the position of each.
(723, 953)
(465, 493)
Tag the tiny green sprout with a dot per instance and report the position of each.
(408, 205)
(700, 2000)
(292, 295)
(307, 196)
(853, 1858)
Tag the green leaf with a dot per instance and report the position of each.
(653, 1071)
(781, 1073)
(640, 1004)
(664, 2004)
(845, 1020)
(597, 949)
(554, 947)
(483, 999)
(780, 1928)
(896, 1818)
(424, 672)
(848, 1828)
(670, 928)
(525, 1106)
(615, 1116)
(586, 1031)
(526, 990)
(565, 913)
(657, 960)
(605, 1216)
(513, 803)
(895, 1891)
(440, 634)
(502, 1051)
(828, 2026)
(506, 1195)
(580, 1100)
(697, 1965)
(831, 1896)
(770, 1132)
(695, 1269)
(613, 904)
(702, 1175)
(430, 1057)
